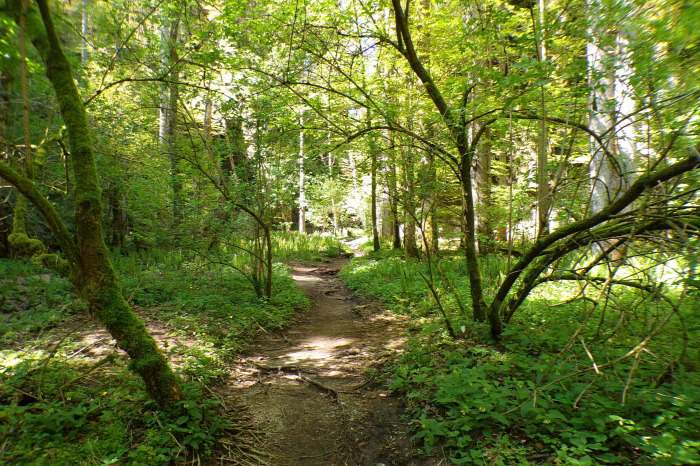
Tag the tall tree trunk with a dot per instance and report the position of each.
(91, 267)
(503, 230)
(236, 159)
(456, 126)
(118, 215)
(375, 231)
(393, 194)
(409, 204)
(610, 101)
(478, 304)
(431, 219)
(6, 79)
(302, 181)
(169, 34)
(206, 123)
(84, 33)
(4, 229)
(430, 228)
(19, 240)
(544, 198)
(482, 193)
(373, 185)
(335, 205)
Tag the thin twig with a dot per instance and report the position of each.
(590, 356)
(630, 377)
(107, 359)
(580, 395)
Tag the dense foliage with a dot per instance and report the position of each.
(566, 382)
(526, 172)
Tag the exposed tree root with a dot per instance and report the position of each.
(331, 391)
(293, 369)
(242, 441)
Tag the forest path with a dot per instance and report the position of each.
(308, 390)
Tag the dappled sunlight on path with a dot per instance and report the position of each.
(318, 349)
(308, 388)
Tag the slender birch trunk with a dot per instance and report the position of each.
(302, 185)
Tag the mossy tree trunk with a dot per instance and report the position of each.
(90, 265)
(19, 240)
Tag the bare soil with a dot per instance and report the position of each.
(313, 390)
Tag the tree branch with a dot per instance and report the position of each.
(29, 190)
(642, 183)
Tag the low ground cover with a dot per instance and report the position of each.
(66, 395)
(570, 382)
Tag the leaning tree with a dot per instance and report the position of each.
(90, 266)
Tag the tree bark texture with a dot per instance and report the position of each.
(458, 132)
(90, 264)
(169, 110)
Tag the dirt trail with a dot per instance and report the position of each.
(308, 389)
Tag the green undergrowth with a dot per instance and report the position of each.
(294, 246)
(52, 414)
(32, 300)
(214, 305)
(403, 285)
(66, 395)
(567, 384)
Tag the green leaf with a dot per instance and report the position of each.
(500, 418)
(607, 458)
(195, 413)
(553, 414)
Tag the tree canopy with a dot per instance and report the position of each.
(513, 153)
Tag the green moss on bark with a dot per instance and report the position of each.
(52, 262)
(26, 246)
(33, 248)
(132, 336)
(91, 267)
(19, 221)
(28, 189)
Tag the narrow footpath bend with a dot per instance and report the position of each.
(308, 390)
